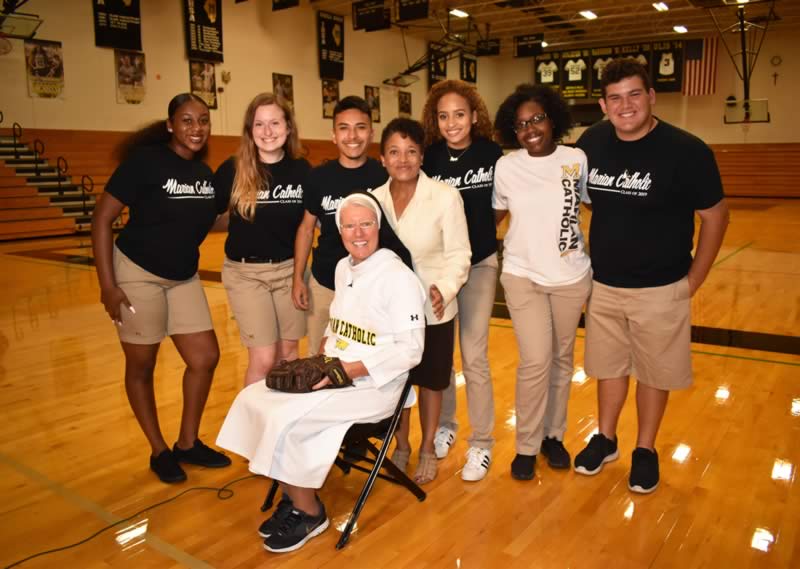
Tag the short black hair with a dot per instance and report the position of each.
(620, 69)
(351, 102)
(407, 128)
(549, 99)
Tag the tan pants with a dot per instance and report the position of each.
(545, 320)
(475, 303)
(320, 299)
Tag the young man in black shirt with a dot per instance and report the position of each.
(327, 185)
(647, 179)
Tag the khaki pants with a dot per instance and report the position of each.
(320, 299)
(545, 320)
(475, 303)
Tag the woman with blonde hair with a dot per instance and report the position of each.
(460, 152)
(263, 184)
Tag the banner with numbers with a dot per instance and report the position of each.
(203, 20)
(575, 78)
(118, 24)
(330, 44)
(668, 66)
(547, 69)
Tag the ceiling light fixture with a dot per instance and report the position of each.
(588, 14)
(544, 43)
(680, 29)
(458, 13)
(660, 6)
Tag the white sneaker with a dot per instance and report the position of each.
(478, 461)
(443, 440)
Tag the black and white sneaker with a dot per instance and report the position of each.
(557, 455)
(282, 511)
(296, 530)
(599, 451)
(644, 471)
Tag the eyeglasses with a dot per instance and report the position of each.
(363, 225)
(535, 119)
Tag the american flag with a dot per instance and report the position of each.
(700, 72)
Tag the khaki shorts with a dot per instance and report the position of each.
(260, 295)
(641, 331)
(163, 307)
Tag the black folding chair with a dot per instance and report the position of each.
(359, 436)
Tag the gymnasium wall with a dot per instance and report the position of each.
(258, 42)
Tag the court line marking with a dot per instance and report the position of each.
(87, 505)
(729, 255)
(701, 352)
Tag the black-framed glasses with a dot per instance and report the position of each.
(535, 119)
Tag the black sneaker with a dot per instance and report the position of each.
(282, 511)
(296, 530)
(523, 466)
(167, 468)
(599, 451)
(557, 455)
(644, 471)
(201, 455)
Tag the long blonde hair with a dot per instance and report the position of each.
(250, 177)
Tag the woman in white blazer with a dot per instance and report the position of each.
(428, 216)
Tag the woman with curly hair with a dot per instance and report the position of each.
(264, 184)
(461, 153)
(547, 276)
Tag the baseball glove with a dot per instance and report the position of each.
(298, 376)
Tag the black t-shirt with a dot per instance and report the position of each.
(327, 185)
(644, 194)
(172, 207)
(473, 175)
(279, 210)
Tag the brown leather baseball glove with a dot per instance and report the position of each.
(298, 376)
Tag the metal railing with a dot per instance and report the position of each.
(38, 150)
(16, 132)
(87, 187)
(61, 170)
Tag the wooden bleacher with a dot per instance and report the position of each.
(748, 170)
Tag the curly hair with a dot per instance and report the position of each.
(407, 128)
(551, 102)
(620, 69)
(430, 122)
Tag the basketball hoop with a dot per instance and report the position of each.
(5, 44)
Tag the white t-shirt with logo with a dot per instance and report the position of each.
(667, 64)
(575, 69)
(547, 71)
(544, 242)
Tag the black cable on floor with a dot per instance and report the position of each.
(223, 493)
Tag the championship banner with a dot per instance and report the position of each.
(330, 45)
(547, 68)
(575, 79)
(411, 10)
(404, 104)
(469, 67)
(599, 58)
(117, 23)
(641, 52)
(371, 15)
(203, 20)
(437, 64)
(668, 66)
(488, 47)
(203, 81)
(528, 45)
(44, 64)
(131, 75)
(283, 4)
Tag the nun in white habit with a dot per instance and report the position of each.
(376, 329)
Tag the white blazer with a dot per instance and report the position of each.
(434, 229)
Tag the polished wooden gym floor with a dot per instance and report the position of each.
(73, 460)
